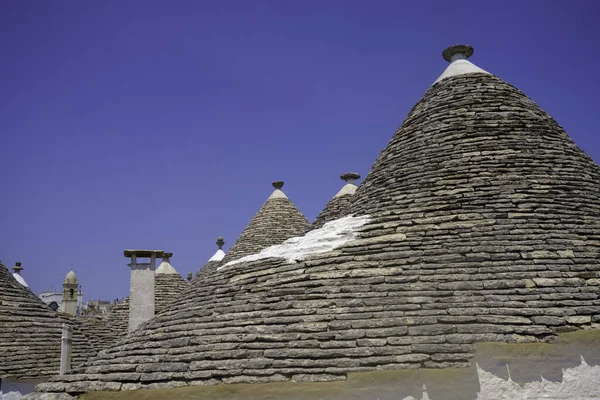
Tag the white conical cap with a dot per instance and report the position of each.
(165, 266)
(459, 65)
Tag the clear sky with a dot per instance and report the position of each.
(161, 124)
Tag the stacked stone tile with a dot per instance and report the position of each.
(276, 221)
(105, 331)
(336, 206)
(30, 334)
(484, 225)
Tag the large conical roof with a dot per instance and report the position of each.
(336, 206)
(482, 224)
(30, 333)
(276, 221)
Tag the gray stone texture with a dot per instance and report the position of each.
(276, 221)
(333, 210)
(30, 333)
(485, 225)
(104, 331)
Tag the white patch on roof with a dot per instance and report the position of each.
(460, 66)
(20, 279)
(165, 268)
(331, 236)
(277, 194)
(348, 188)
(218, 256)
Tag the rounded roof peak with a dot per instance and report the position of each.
(71, 277)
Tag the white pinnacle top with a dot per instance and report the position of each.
(165, 268)
(218, 256)
(20, 279)
(459, 65)
(348, 188)
(277, 194)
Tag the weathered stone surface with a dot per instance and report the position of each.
(30, 333)
(484, 225)
(47, 396)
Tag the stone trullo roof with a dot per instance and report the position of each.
(30, 334)
(481, 222)
(276, 221)
(336, 206)
(104, 331)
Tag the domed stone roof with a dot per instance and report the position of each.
(71, 278)
(276, 221)
(482, 223)
(336, 206)
(30, 334)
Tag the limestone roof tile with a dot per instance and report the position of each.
(483, 225)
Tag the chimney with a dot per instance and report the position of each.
(141, 293)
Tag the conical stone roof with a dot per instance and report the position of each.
(30, 334)
(336, 206)
(483, 224)
(276, 221)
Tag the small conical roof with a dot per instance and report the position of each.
(213, 263)
(165, 266)
(336, 206)
(30, 333)
(276, 221)
(482, 223)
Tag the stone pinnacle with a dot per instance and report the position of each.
(278, 184)
(350, 177)
(457, 51)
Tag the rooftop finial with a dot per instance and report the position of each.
(190, 276)
(350, 177)
(457, 51)
(167, 256)
(17, 268)
(278, 184)
(220, 242)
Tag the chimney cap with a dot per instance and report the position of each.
(278, 184)
(457, 49)
(143, 253)
(349, 176)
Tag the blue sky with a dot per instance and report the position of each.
(161, 124)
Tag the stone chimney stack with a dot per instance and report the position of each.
(141, 294)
